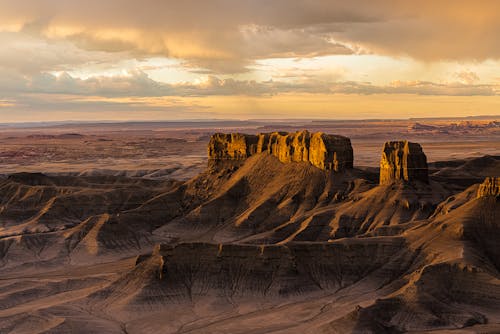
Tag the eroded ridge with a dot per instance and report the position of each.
(273, 270)
(490, 187)
(327, 152)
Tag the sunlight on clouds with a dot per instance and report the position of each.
(296, 105)
(363, 68)
(310, 58)
(14, 26)
(179, 45)
(166, 70)
(7, 103)
(324, 106)
(379, 70)
(160, 69)
(62, 31)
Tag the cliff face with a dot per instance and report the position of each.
(327, 152)
(231, 146)
(275, 270)
(490, 187)
(402, 160)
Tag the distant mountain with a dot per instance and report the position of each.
(463, 126)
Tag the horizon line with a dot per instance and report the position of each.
(257, 120)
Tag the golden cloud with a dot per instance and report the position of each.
(238, 32)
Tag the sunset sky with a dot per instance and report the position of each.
(243, 59)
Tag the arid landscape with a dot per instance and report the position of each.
(251, 227)
(249, 167)
(178, 149)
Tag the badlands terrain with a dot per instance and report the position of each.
(250, 227)
(178, 149)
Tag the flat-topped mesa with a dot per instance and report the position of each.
(490, 187)
(403, 161)
(224, 147)
(327, 152)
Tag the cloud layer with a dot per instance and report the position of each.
(226, 35)
(84, 55)
(139, 84)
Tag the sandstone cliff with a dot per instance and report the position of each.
(402, 160)
(327, 152)
(490, 187)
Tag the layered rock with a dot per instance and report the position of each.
(327, 152)
(490, 187)
(231, 146)
(194, 269)
(403, 161)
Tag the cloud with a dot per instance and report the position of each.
(139, 84)
(28, 54)
(7, 103)
(59, 108)
(133, 84)
(467, 77)
(226, 36)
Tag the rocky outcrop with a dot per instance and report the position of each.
(490, 187)
(327, 152)
(403, 161)
(194, 269)
(231, 147)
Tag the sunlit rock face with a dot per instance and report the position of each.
(231, 146)
(490, 187)
(403, 161)
(327, 152)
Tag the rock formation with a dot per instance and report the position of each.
(269, 247)
(490, 187)
(271, 270)
(403, 161)
(327, 152)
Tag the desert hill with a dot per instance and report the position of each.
(281, 233)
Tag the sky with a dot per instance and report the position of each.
(248, 59)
